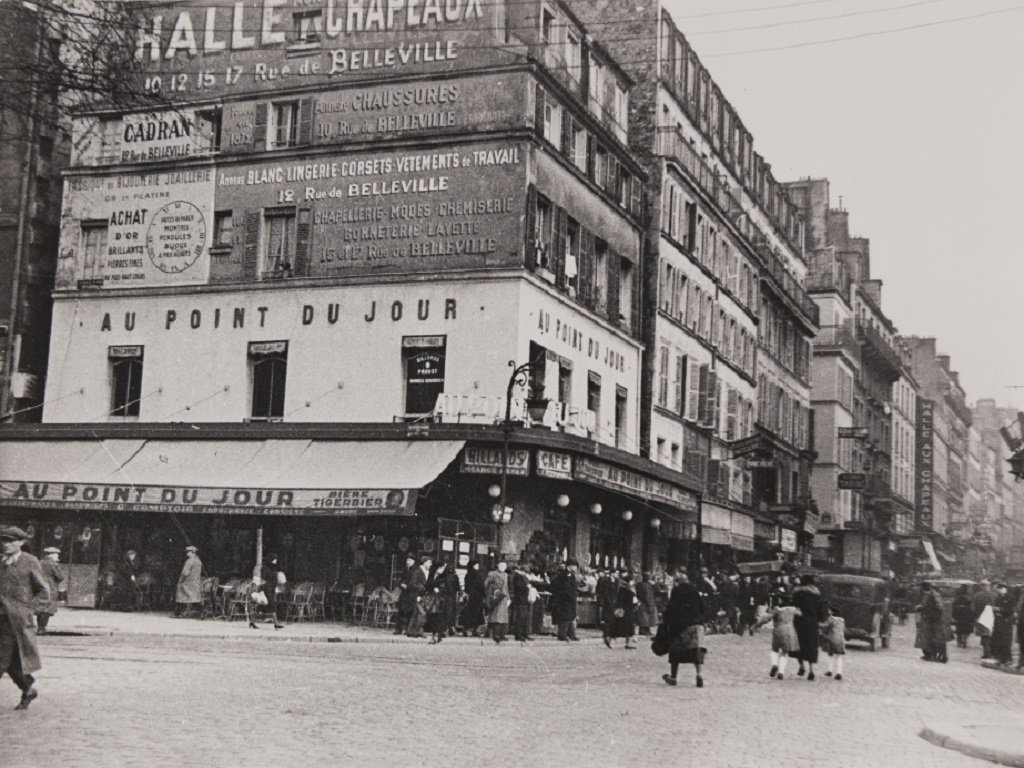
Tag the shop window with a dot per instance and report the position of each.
(223, 229)
(125, 380)
(268, 371)
(564, 381)
(279, 241)
(423, 360)
(594, 401)
(284, 124)
(621, 418)
(94, 247)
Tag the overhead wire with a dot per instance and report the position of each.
(794, 22)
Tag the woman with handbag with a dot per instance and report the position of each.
(622, 621)
(270, 575)
(683, 628)
(440, 599)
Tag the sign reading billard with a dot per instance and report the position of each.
(182, 499)
(490, 461)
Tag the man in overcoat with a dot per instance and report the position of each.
(189, 592)
(54, 575)
(406, 599)
(418, 583)
(21, 584)
(983, 596)
(563, 601)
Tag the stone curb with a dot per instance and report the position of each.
(1010, 670)
(998, 756)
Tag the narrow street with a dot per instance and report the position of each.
(174, 700)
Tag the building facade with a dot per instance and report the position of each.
(289, 304)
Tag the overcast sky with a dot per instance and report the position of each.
(917, 130)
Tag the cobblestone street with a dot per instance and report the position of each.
(173, 700)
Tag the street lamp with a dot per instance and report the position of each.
(500, 513)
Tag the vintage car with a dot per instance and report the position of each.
(863, 602)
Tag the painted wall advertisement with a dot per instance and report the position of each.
(232, 48)
(414, 211)
(138, 230)
(925, 464)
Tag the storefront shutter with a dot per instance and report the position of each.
(558, 257)
(538, 117)
(259, 127)
(251, 252)
(613, 287)
(306, 121)
(531, 222)
(303, 241)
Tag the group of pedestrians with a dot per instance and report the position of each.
(992, 612)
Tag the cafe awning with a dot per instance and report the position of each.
(279, 477)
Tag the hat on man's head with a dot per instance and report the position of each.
(51, 551)
(191, 548)
(12, 533)
(424, 559)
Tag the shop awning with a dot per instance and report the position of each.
(278, 477)
(930, 549)
(943, 556)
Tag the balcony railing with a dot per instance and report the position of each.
(879, 352)
(786, 283)
(838, 337)
(829, 274)
(672, 143)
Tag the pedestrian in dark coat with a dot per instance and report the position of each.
(54, 575)
(747, 606)
(442, 593)
(807, 599)
(683, 625)
(623, 618)
(931, 626)
(473, 613)
(564, 590)
(1002, 629)
(647, 607)
(269, 576)
(406, 604)
(416, 586)
(521, 607)
(189, 595)
(607, 593)
(1020, 631)
(983, 597)
(21, 584)
(963, 615)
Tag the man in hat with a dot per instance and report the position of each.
(54, 575)
(21, 584)
(406, 599)
(418, 583)
(564, 590)
(189, 593)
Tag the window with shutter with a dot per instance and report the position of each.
(303, 242)
(558, 251)
(305, 133)
(732, 413)
(693, 391)
(713, 485)
(663, 376)
(530, 252)
(703, 413)
(612, 308)
(679, 403)
(259, 128)
(250, 253)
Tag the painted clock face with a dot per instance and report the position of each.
(176, 237)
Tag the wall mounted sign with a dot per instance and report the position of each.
(618, 479)
(489, 461)
(554, 464)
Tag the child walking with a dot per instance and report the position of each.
(784, 638)
(833, 642)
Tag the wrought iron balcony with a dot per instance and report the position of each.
(785, 283)
(878, 353)
(672, 143)
(838, 338)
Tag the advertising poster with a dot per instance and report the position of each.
(136, 231)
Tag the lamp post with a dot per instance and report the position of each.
(500, 513)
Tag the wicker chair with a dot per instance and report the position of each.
(208, 597)
(298, 605)
(240, 602)
(318, 601)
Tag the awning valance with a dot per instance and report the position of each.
(278, 477)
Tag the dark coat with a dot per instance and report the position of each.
(984, 596)
(932, 628)
(407, 598)
(1002, 629)
(685, 609)
(268, 573)
(442, 615)
(963, 614)
(812, 611)
(647, 610)
(54, 575)
(520, 589)
(473, 613)
(625, 602)
(21, 584)
(563, 596)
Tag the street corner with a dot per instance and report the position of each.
(995, 737)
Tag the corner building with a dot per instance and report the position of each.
(286, 304)
(727, 324)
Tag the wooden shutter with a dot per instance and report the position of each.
(259, 127)
(680, 401)
(538, 117)
(702, 405)
(634, 310)
(591, 150)
(714, 476)
(585, 280)
(732, 407)
(303, 241)
(531, 228)
(251, 249)
(305, 122)
(567, 123)
(693, 391)
(612, 307)
(558, 257)
(635, 197)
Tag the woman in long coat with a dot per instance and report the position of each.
(473, 613)
(496, 589)
(443, 590)
(622, 618)
(647, 609)
(564, 592)
(963, 616)
(683, 624)
(190, 581)
(268, 574)
(807, 599)
(931, 626)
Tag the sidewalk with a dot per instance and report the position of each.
(997, 739)
(72, 621)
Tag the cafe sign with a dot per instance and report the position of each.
(554, 464)
(618, 479)
(478, 460)
(184, 499)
